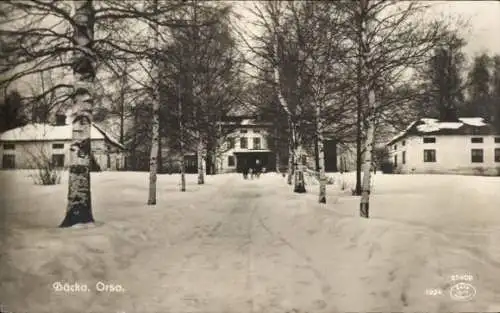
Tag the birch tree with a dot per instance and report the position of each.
(79, 209)
(155, 131)
(366, 66)
(181, 136)
(391, 41)
(303, 60)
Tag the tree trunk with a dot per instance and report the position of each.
(320, 156)
(183, 161)
(299, 182)
(290, 160)
(365, 191)
(316, 153)
(370, 116)
(277, 149)
(200, 156)
(123, 87)
(160, 168)
(133, 153)
(79, 208)
(155, 132)
(359, 154)
(298, 156)
(180, 117)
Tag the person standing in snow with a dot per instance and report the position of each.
(257, 168)
(245, 172)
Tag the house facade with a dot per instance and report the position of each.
(251, 140)
(33, 145)
(245, 145)
(469, 146)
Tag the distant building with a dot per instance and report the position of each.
(250, 140)
(468, 146)
(26, 147)
(246, 144)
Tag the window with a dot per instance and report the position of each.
(497, 139)
(230, 160)
(430, 155)
(429, 139)
(58, 160)
(395, 147)
(395, 160)
(243, 131)
(256, 131)
(403, 159)
(256, 143)
(476, 155)
(497, 154)
(9, 161)
(231, 143)
(9, 146)
(60, 120)
(58, 146)
(404, 143)
(243, 143)
(476, 140)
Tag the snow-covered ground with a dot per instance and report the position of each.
(251, 246)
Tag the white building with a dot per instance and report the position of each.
(247, 143)
(32, 145)
(469, 146)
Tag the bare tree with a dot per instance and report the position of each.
(390, 41)
(79, 208)
(155, 135)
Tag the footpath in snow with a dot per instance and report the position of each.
(251, 246)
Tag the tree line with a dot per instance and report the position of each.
(170, 71)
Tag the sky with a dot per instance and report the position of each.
(483, 34)
(484, 18)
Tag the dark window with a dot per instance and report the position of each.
(60, 119)
(497, 154)
(404, 143)
(429, 139)
(430, 155)
(58, 160)
(230, 160)
(256, 131)
(403, 159)
(9, 146)
(395, 147)
(497, 139)
(9, 161)
(58, 146)
(243, 143)
(476, 155)
(256, 143)
(476, 140)
(231, 143)
(243, 131)
(395, 160)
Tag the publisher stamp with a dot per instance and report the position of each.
(462, 291)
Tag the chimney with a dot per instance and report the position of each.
(69, 117)
(60, 119)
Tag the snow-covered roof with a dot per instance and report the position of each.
(430, 125)
(47, 132)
